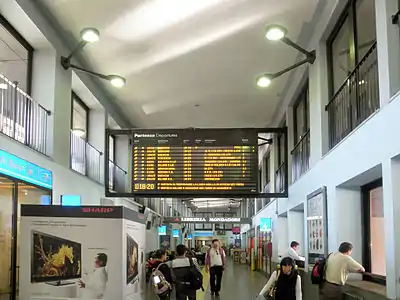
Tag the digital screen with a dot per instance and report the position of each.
(195, 161)
(175, 233)
(190, 236)
(45, 200)
(70, 200)
(162, 230)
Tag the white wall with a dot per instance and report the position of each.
(65, 181)
(296, 232)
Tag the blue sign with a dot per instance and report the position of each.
(265, 224)
(162, 230)
(190, 236)
(45, 200)
(21, 169)
(70, 200)
(175, 233)
(203, 233)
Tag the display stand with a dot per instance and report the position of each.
(81, 253)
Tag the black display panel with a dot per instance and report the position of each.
(195, 161)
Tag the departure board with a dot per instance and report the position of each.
(195, 161)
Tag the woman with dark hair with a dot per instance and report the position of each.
(285, 283)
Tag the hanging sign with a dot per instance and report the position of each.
(215, 220)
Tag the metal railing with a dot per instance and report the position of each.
(280, 178)
(301, 156)
(355, 100)
(117, 177)
(85, 158)
(21, 118)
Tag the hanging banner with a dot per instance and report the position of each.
(265, 224)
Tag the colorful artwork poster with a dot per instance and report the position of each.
(316, 224)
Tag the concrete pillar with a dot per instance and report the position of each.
(296, 229)
(388, 47)
(98, 122)
(51, 87)
(391, 209)
(318, 99)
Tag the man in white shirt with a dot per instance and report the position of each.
(338, 266)
(215, 264)
(94, 285)
(293, 252)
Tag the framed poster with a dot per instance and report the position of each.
(317, 231)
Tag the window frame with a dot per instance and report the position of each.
(24, 43)
(366, 231)
(75, 97)
(302, 98)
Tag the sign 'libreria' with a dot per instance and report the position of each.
(216, 220)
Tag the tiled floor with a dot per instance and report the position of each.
(238, 283)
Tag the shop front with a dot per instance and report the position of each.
(21, 182)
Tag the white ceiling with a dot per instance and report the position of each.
(189, 63)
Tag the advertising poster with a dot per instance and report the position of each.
(76, 252)
(316, 225)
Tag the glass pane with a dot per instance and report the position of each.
(377, 228)
(79, 120)
(366, 30)
(6, 190)
(300, 122)
(342, 64)
(28, 194)
(13, 59)
(111, 150)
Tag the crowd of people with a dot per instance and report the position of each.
(181, 270)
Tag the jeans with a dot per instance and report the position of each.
(216, 278)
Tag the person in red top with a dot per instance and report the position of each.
(215, 264)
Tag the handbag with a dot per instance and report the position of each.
(271, 292)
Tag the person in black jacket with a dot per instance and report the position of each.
(161, 257)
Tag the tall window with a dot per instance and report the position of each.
(79, 117)
(112, 148)
(15, 56)
(301, 115)
(374, 258)
(351, 40)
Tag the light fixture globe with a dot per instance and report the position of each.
(263, 81)
(275, 32)
(90, 35)
(117, 81)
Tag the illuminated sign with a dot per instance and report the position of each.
(190, 236)
(265, 224)
(70, 200)
(175, 233)
(203, 233)
(162, 230)
(193, 161)
(21, 169)
(103, 210)
(215, 220)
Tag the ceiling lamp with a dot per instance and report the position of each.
(89, 36)
(275, 32)
(278, 33)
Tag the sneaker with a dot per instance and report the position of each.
(217, 294)
(212, 293)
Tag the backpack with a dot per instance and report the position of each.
(195, 277)
(318, 271)
(271, 292)
(160, 285)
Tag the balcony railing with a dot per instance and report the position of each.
(117, 177)
(21, 118)
(85, 158)
(301, 156)
(355, 100)
(280, 179)
(267, 189)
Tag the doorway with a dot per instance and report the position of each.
(13, 194)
